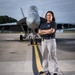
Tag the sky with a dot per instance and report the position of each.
(64, 10)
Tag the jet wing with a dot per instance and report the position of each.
(42, 20)
(22, 22)
(8, 24)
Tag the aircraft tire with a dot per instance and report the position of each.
(21, 38)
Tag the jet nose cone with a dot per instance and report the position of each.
(31, 20)
(33, 23)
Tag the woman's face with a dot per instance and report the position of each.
(49, 17)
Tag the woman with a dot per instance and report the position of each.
(47, 32)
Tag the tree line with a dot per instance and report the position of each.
(6, 19)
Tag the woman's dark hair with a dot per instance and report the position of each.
(52, 15)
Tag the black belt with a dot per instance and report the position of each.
(47, 38)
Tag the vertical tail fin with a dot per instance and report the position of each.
(22, 12)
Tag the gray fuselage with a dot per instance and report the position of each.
(33, 19)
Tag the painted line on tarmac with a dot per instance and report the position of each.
(37, 66)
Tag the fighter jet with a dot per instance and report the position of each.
(33, 20)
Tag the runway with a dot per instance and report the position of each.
(16, 58)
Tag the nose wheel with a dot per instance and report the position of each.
(21, 38)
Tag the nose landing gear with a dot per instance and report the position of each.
(21, 38)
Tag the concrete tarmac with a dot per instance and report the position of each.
(16, 56)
